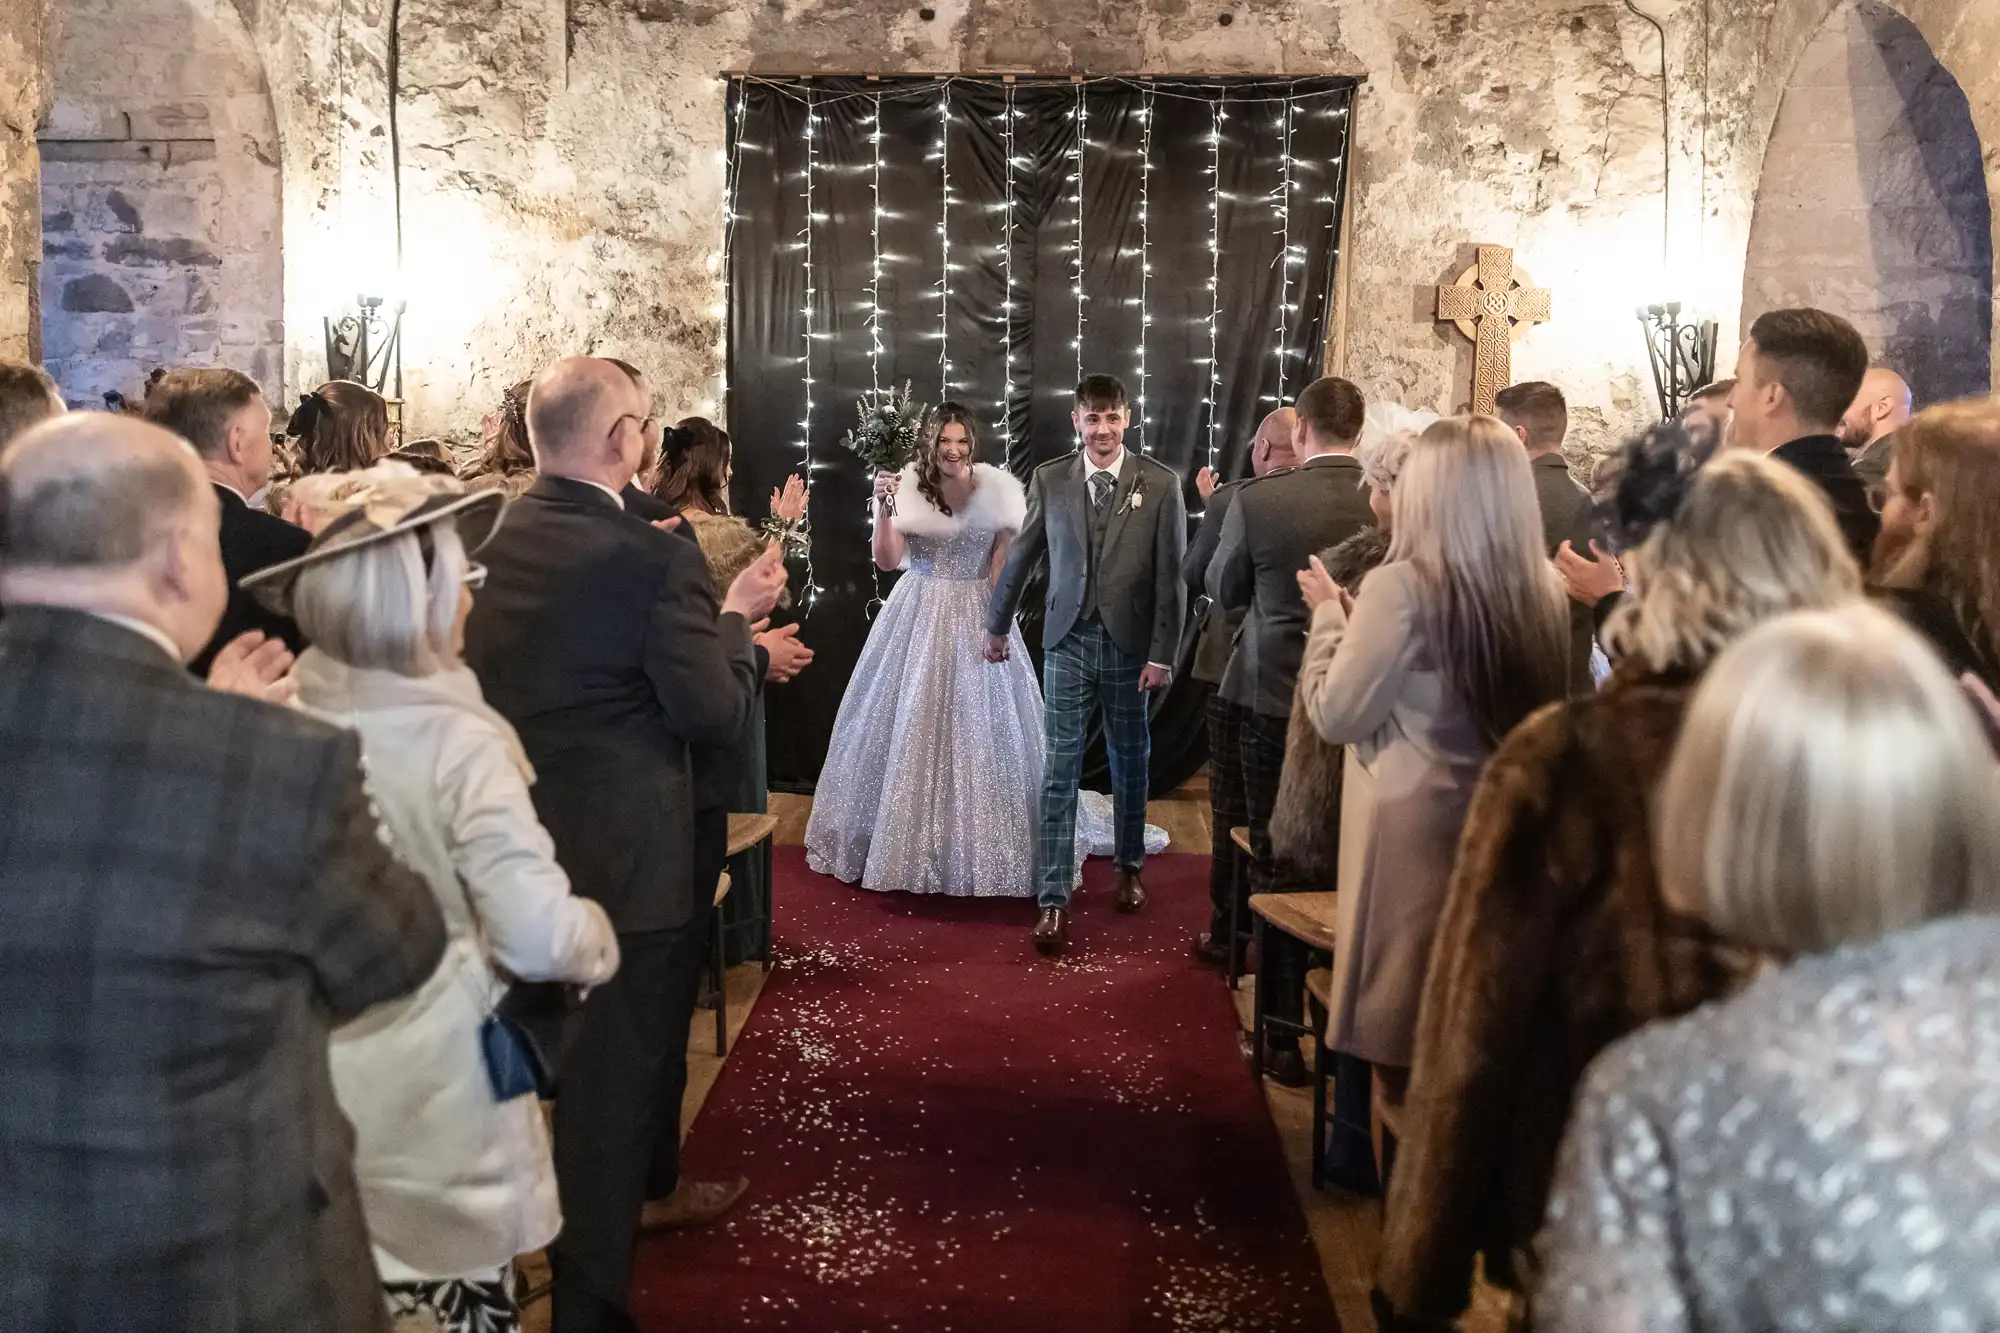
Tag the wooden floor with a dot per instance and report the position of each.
(1346, 1229)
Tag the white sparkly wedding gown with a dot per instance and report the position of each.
(933, 776)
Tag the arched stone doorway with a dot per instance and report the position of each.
(161, 203)
(1873, 202)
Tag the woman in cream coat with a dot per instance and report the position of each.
(455, 1183)
(1455, 639)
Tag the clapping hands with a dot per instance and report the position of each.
(1205, 482)
(788, 502)
(251, 664)
(1318, 588)
(1590, 579)
(788, 655)
(757, 589)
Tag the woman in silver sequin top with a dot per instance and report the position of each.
(1821, 1152)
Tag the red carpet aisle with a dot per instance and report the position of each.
(945, 1132)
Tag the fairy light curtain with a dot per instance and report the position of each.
(982, 241)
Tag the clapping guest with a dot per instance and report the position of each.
(598, 636)
(27, 397)
(455, 1174)
(1270, 450)
(1554, 940)
(222, 413)
(1460, 635)
(193, 891)
(1938, 558)
(1817, 1152)
(340, 427)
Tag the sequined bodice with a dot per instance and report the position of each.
(964, 555)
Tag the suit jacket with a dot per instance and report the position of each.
(641, 503)
(1279, 523)
(1218, 624)
(193, 891)
(1872, 463)
(251, 540)
(1825, 462)
(599, 637)
(1566, 510)
(1139, 592)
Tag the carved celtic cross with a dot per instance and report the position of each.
(1492, 305)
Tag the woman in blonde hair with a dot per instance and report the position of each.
(450, 1150)
(1460, 635)
(1819, 1151)
(1553, 940)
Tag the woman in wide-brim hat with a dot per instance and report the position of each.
(455, 1181)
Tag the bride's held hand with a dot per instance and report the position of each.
(997, 648)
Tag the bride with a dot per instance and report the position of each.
(932, 776)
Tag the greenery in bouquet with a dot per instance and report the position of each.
(890, 430)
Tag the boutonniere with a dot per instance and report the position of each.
(1134, 500)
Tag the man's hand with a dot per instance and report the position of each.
(789, 503)
(1590, 580)
(1205, 482)
(1318, 588)
(1155, 678)
(668, 524)
(255, 666)
(997, 648)
(757, 588)
(788, 655)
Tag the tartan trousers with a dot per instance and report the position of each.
(1228, 871)
(1086, 673)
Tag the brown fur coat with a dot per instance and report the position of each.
(1305, 821)
(1553, 944)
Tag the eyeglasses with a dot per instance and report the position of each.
(475, 576)
(647, 424)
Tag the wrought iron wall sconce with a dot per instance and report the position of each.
(1682, 354)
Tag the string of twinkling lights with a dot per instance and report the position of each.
(1145, 254)
(1284, 230)
(1007, 271)
(1212, 401)
(805, 425)
(943, 156)
(875, 323)
(732, 171)
(1082, 120)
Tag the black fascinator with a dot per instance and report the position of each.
(307, 415)
(1650, 478)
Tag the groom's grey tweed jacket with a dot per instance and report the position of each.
(1140, 596)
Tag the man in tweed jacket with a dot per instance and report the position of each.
(193, 891)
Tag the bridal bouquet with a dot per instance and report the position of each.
(891, 428)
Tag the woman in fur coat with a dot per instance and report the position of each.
(932, 775)
(1554, 942)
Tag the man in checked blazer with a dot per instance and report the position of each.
(1110, 527)
(193, 891)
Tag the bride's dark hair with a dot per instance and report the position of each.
(930, 480)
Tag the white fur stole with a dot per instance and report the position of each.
(998, 504)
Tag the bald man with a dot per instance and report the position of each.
(1270, 449)
(1868, 429)
(193, 893)
(599, 636)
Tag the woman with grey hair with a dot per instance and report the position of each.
(450, 1149)
(1821, 1150)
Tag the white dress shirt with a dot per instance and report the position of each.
(616, 497)
(140, 627)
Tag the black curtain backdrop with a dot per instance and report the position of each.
(800, 348)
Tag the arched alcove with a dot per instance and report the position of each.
(161, 213)
(1873, 202)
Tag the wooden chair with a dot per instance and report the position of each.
(1241, 837)
(1319, 992)
(746, 832)
(1307, 917)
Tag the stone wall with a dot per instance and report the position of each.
(1873, 203)
(160, 198)
(23, 98)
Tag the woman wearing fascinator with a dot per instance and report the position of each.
(1554, 940)
(933, 772)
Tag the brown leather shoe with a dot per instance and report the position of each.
(694, 1203)
(1131, 893)
(1052, 931)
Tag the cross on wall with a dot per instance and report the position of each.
(1492, 305)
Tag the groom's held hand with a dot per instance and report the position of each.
(1155, 677)
(757, 588)
(996, 648)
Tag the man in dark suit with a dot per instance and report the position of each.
(1110, 527)
(223, 415)
(598, 635)
(1269, 451)
(1868, 428)
(1798, 372)
(1539, 417)
(1276, 525)
(193, 892)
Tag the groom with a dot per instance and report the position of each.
(1110, 527)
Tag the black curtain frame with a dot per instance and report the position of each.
(776, 314)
